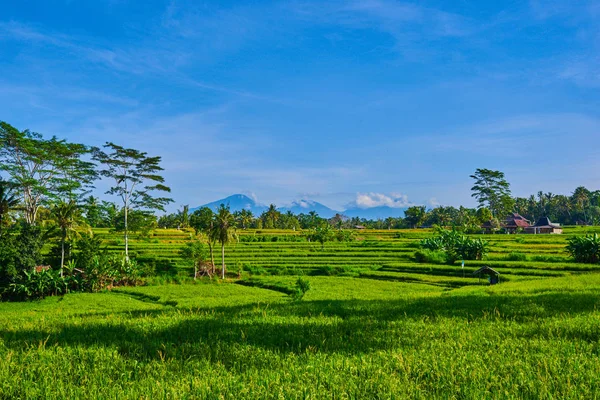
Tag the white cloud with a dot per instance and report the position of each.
(433, 202)
(371, 199)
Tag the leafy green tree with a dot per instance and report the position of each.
(43, 169)
(8, 201)
(202, 220)
(322, 234)
(195, 252)
(168, 221)
(244, 218)
(109, 214)
(91, 209)
(136, 177)
(223, 231)
(414, 216)
(139, 221)
(68, 219)
(581, 201)
(492, 190)
(271, 217)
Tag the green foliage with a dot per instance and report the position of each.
(37, 285)
(517, 256)
(321, 234)
(302, 286)
(415, 215)
(195, 253)
(43, 169)
(585, 249)
(348, 338)
(430, 256)
(344, 235)
(456, 246)
(492, 190)
(136, 177)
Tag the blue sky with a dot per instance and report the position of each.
(373, 102)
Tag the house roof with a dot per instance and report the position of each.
(545, 222)
(519, 223)
(486, 270)
(517, 220)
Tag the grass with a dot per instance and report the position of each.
(384, 327)
(349, 338)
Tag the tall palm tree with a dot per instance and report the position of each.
(246, 218)
(68, 219)
(8, 200)
(223, 231)
(184, 217)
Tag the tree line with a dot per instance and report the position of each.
(43, 187)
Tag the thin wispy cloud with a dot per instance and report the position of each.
(327, 99)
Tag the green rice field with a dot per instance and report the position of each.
(375, 324)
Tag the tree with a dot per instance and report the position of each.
(270, 217)
(184, 217)
(8, 201)
(415, 215)
(203, 221)
(68, 219)
(92, 211)
(132, 170)
(223, 231)
(244, 218)
(43, 169)
(581, 201)
(321, 234)
(194, 252)
(493, 190)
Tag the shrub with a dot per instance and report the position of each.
(456, 246)
(302, 286)
(585, 249)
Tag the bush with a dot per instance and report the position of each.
(456, 246)
(585, 249)
(302, 286)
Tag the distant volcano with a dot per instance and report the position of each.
(238, 202)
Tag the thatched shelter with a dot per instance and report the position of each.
(493, 276)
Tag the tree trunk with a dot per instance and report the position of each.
(62, 256)
(223, 260)
(126, 236)
(195, 269)
(212, 257)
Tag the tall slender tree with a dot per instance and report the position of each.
(203, 221)
(223, 231)
(136, 177)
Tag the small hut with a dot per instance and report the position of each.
(544, 226)
(493, 276)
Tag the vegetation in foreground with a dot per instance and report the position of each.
(348, 338)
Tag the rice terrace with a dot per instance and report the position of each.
(299, 199)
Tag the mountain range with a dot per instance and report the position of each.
(238, 202)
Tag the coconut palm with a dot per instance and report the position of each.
(223, 231)
(68, 218)
(8, 200)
